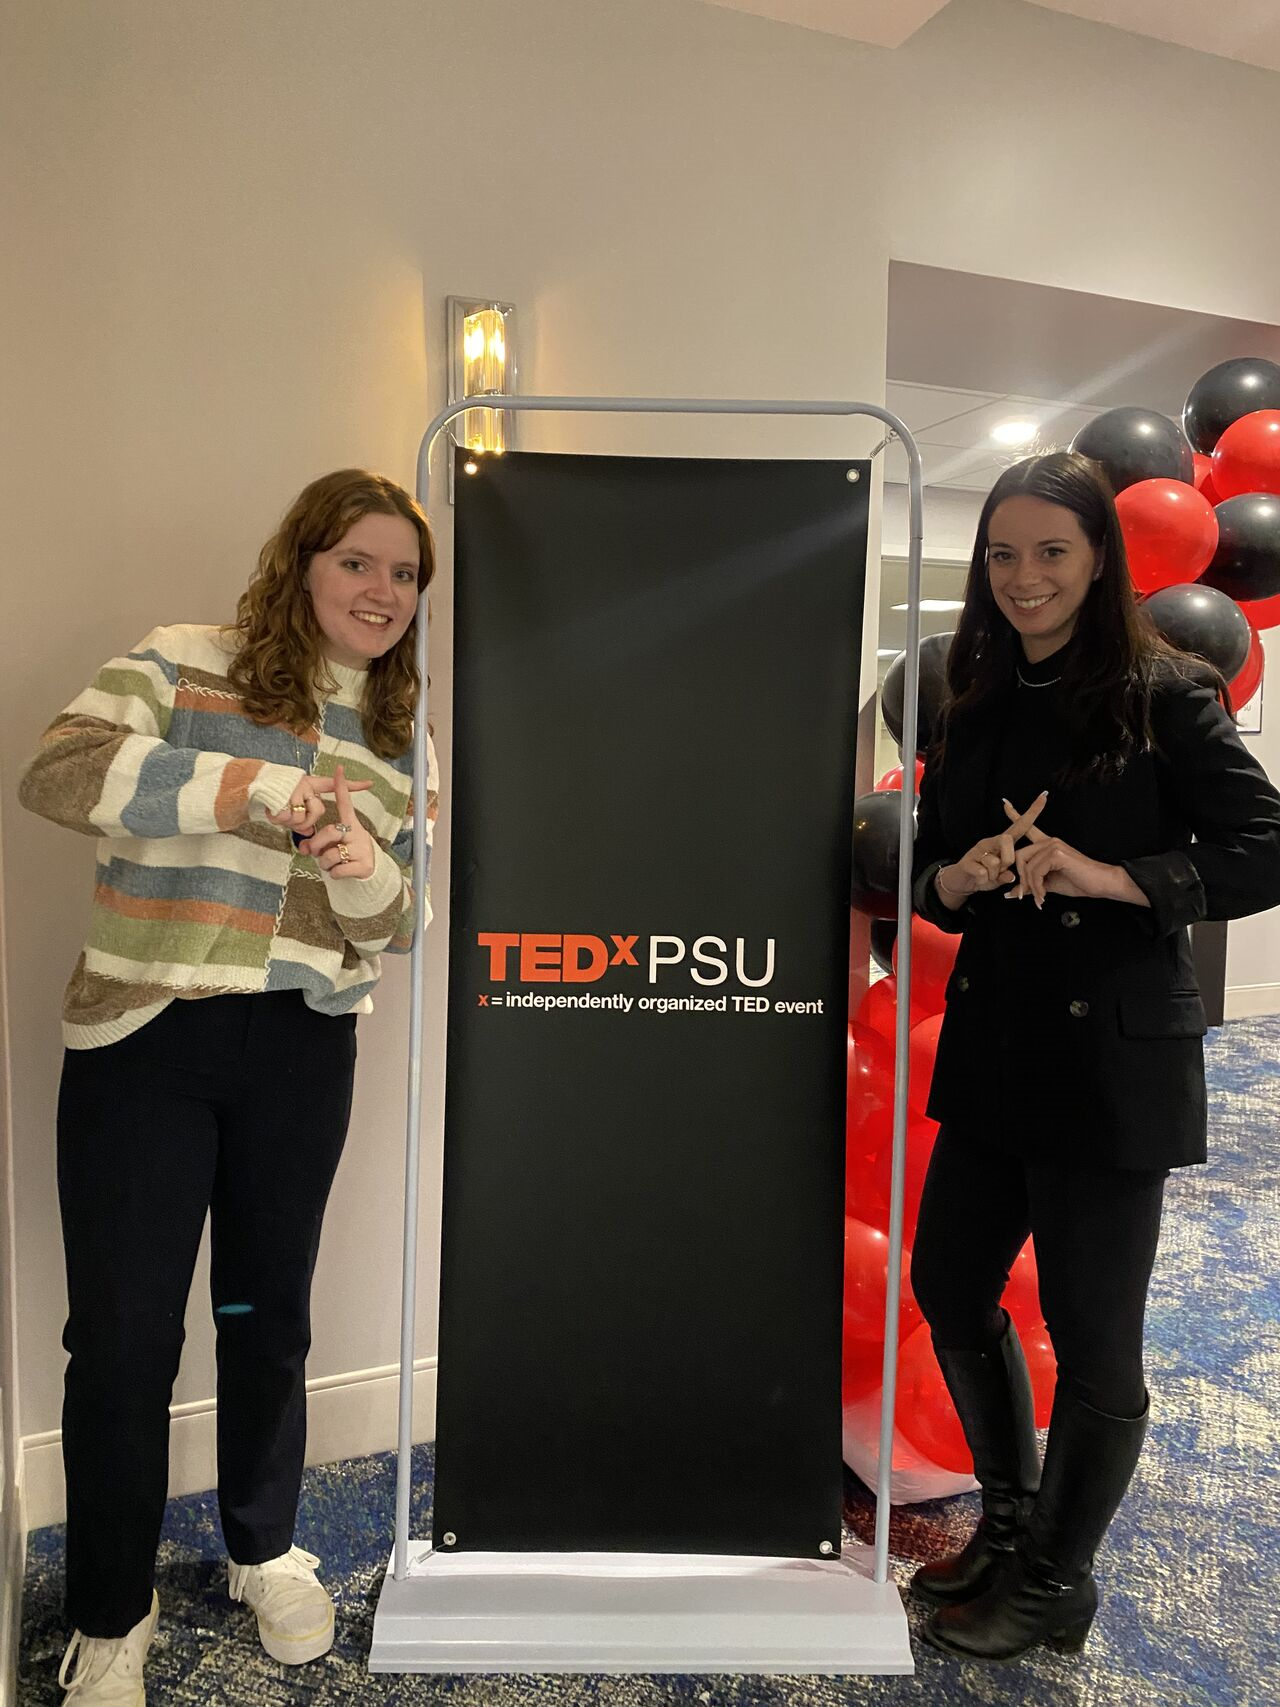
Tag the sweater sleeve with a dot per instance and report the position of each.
(105, 768)
(1233, 866)
(931, 853)
(376, 914)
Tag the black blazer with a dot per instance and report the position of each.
(1077, 1031)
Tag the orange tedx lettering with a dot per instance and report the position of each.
(578, 970)
(540, 959)
(498, 942)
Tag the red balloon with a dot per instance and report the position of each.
(925, 1413)
(1170, 532)
(861, 1370)
(924, 1049)
(1042, 1366)
(863, 1144)
(865, 1141)
(1203, 481)
(1022, 1294)
(869, 1083)
(933, 954)
(892, 779)
(878, 1009)
(876, 1179)
(1247, 456)
(1249, 680)
(1262, 613)
(866, 1281)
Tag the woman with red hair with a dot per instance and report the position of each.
(249, 788)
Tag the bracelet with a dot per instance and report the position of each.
(937, 878)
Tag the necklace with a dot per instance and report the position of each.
(1052, 682)
(308, 764)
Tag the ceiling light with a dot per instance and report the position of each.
(1014, 432)
(936, 605)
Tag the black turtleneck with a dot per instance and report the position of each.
(1032, 746)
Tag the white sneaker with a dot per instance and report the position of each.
(108, 1671)
(295, 1614)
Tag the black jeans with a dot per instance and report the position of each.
(1095, 1231)
(232, 1106)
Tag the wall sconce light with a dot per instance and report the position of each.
(482, 362)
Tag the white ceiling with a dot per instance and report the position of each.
(1236, 29)
(1247, 30)
(883, 23)
(967, 332)
(953, 430)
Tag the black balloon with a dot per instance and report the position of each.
(884, 933)
(1202, 620)
(1246, 564)
(875, 853)
(1137, 444)
(933, 686)
(1224, 394)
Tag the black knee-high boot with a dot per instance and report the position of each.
(992, 1395)
(1048, 1594)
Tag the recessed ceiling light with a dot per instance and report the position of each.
(887, 651)
(1014, 432)
(936, 605)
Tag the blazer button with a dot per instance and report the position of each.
(962, 984)
(1078, 1010)
(1071, 920)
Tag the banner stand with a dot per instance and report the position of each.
(650, 1613)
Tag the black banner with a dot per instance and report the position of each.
(655, 703)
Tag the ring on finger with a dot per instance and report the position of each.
(344, 854)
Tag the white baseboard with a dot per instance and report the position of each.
(1250, 1001)
(13, 1564)
(348, 1416)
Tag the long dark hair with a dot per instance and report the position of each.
(1116, 653)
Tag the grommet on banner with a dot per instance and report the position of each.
(853, 475)
(826, 1549)
(450, 1539)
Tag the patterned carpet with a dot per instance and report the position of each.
(1188, 1576)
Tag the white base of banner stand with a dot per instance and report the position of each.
(638, 1612)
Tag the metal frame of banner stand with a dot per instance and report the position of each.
(407, 1636)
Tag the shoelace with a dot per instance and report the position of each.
(88, 1651)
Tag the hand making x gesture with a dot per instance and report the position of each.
(989, 864)
(344, 849)
(1050, 866)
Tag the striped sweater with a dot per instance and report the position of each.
(198, 893)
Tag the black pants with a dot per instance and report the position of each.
(1095, 1231)
(234, 1106)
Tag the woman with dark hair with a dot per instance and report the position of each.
(242, 903)
(1086, 800)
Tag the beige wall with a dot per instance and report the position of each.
(235, 220)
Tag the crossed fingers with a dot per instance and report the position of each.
(990, 864)
(1033, 869)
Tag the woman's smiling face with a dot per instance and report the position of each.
(1040, 566)
(364, 590)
